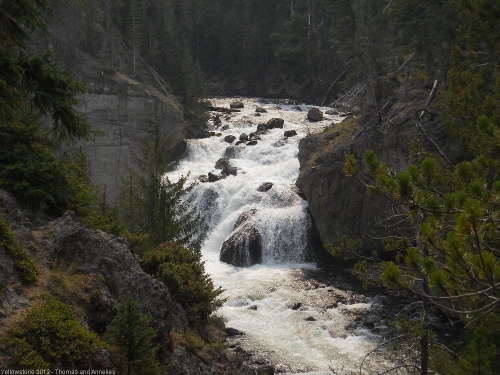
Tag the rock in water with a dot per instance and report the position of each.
(212, 177)
(314, 114)
(290, 133)
(244, 246)
(265, 187)
(230, 152)
(244, 137)
(237, 105)
(222, 163)
(229, 170)
(276, 123)
(229, 138)
(260, 110)
(332, 112)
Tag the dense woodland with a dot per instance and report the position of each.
(308, 49)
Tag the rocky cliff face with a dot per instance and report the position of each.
(340, 205)
(116, 105)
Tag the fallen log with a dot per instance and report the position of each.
(430, 98)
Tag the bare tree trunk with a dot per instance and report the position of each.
(387, 7)
(430, 98)
(424, 340)
(331, 86)
(407, 61)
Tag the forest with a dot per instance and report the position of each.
(315, 51)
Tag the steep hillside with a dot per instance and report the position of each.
(93, 272)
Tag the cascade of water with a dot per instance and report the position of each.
(279, 217)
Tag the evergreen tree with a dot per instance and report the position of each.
(132, 336)
(150, 201)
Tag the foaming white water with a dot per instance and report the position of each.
(259, 298)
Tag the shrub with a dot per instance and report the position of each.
(183, 272)
(25, 267)
(50, 335)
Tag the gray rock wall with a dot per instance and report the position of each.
(117, 108)
(340, 205)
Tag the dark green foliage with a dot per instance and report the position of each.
(33, 81)
(131, 335)
(30, 170)
(427, 27)
(150, 203)
(183, 272)
(18, 18)
(50, 335)
(478, 354)
(474, 79)
(31, 85)
(25, 266)
(292, 48)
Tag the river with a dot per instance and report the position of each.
(286, 318)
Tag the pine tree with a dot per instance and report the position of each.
(150, 202)
(132, 336)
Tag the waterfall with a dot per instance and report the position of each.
(256, 214)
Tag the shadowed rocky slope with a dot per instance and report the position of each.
(340, 205)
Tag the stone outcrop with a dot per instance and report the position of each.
(244, 246)
(341, 205)
(117, 273)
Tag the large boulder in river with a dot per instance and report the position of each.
(275, 123)
(314, 114)
(229, 138)
(237, 105)
(212, 177)
(230, 152)
(290, 133)
(244, 247)
(229, 171)
(260, 110)
(261, 128)
(222, 163)
(265, 187)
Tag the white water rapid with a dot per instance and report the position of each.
(312, 337)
